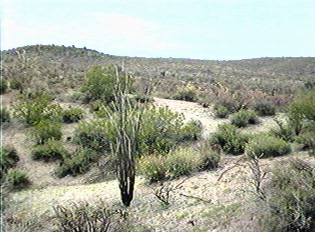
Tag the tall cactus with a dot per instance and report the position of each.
(127, 122)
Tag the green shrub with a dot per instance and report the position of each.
(183, 162)
(221, 111)
(229, 139)
(77, 163)
(37, 107)
(265, 145)
(284, 131)
(264, 108)
(45, 131)
(153, 167)
(191, 130)
(8, 158)
(186, 95)
(95, 135)
(242, 118)
(17, 180)
(307, 139)
(50, 151)
(301, 110)
(3, 86)
(290, 198)
(209, 158)
(72, 115)
(101, 83)
(4, 115)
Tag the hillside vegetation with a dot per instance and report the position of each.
(94, 142)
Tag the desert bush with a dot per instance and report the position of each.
(242, 118)
(95, 135)
(221, 111)
(8, 158)
(183, 161)
(77, 163)
(290, 198)
(4, 115)
(307, 139)
(72, 115)
(284, 131)
(301, 110)
(229, 139)
(3, 86)
(264, 108)
(101, 83)
(45, 131)
(85, 217)
(210, 158)
(153, 167)
(17, 180)
(265, 145)
(191, 130)
(52, 150)
(37, 107)
(16, 84)
(186, 95)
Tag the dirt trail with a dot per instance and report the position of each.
(192, 110)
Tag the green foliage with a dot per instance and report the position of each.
(264, 108)
(50, 151)
(307, 139)
(161, 129)
(242, 118)
(95, 135)
(153, 167)
(179, 162)
(85, 217)
(186, 95)
(101, 83)
(72, 115)
(229, 139)
(16, 84)
(3, 86)
(290, 198)
(182, 162)
(9, 158)
(45, 131)
(221, 111)
(191, 130)
(265, 145)
(4, 115)
(210, 158)
(37, 107)
(17, 180)
(77, 163)
(284, 131)
(302, 110)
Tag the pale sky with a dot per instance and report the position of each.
(200, 29)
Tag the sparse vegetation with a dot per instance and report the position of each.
(40, 81)
(86, 217)
(290, 198)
